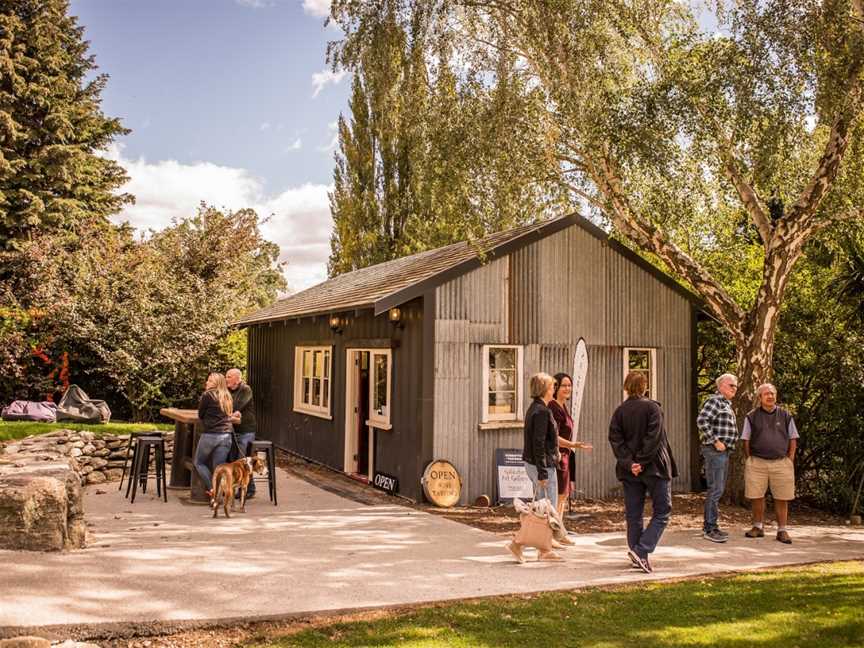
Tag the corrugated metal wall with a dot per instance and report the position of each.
(546, 296)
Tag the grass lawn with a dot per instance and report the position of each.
(820, 605)
(20, 429)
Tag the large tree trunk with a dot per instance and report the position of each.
(755, 346)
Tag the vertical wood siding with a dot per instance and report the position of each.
(546, 296)
(271, 374)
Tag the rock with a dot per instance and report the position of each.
(75, 452)
(115, 444)
(112, 474)
(69, 643)
(98, 463)
(102, 452)
(12, 449)
(85, 470)
(87, 436)
(98, 444)
(62, 440)
(78, 444)
(116, 464)
(117, 455)
(95, 477)
(41, 508)
(88, 449)
(25, 642)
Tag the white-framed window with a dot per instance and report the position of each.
(643, 360)
(380, 388)
(313, 371)
(502, 382)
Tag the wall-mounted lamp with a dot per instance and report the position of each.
(395, 317)
(335, 324)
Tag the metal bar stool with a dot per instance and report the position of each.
(141, 466)
(268, 449)
(130, 454)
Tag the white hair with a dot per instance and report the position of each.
(234, 372)
(726, 377)
(765, 387)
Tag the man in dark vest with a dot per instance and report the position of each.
(770, 440)
(241, 396)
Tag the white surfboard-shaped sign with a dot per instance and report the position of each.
(580, 371)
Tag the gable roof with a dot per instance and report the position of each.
(392, 283)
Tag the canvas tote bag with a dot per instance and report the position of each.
(534, 531)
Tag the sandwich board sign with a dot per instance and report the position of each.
(513, 481)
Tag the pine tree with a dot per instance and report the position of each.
(51, 126)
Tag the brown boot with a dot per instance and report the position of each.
(783, 536)
(755, 532)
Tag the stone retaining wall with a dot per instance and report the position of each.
(41, 503)
(97, 458)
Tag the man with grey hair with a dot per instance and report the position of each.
(718, 434)
(770, 440)
(241, 396)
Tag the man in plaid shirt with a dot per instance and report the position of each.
(718, 434)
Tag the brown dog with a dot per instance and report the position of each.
(230, 476)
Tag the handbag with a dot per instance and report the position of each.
(534, 530)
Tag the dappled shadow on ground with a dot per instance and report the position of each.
(318, 552)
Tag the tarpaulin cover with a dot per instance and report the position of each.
(19, 410)
(77, 406)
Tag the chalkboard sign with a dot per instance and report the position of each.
(513, 480)
(385, 482)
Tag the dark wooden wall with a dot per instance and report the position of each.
(400, 451)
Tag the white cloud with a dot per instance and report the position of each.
(333, 129)
(319, 8)
(264, 126)
(255, 4)
(324, 77)
(296, 145)
(300, 221)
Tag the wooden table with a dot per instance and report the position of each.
(187, 431)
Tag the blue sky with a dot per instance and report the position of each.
(229, 101)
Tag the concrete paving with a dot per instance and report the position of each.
(317, 552)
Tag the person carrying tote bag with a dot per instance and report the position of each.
(539, 452)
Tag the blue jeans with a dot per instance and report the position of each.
(244, 441)
(551, 490)
(716, 465)
(641, 540)
(212, 450)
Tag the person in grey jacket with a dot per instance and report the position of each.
(644, 465)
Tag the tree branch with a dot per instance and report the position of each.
(651, 238)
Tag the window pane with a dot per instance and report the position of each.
(502, 402)
(326, 364)
(502, 380)
(639, 360)
(316, 391)
(502, 358)
(305, 396)
(380, 377)
(325, 394)
(307, 363)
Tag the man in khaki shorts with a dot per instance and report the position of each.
(770, 440)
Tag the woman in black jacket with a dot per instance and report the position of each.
(541, 439)
(215, 410)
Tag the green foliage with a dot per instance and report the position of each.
(51, 126)
(144, 321)
(19, 429)
(810, 607)
(428, 156)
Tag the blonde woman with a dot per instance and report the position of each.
(214, 409)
